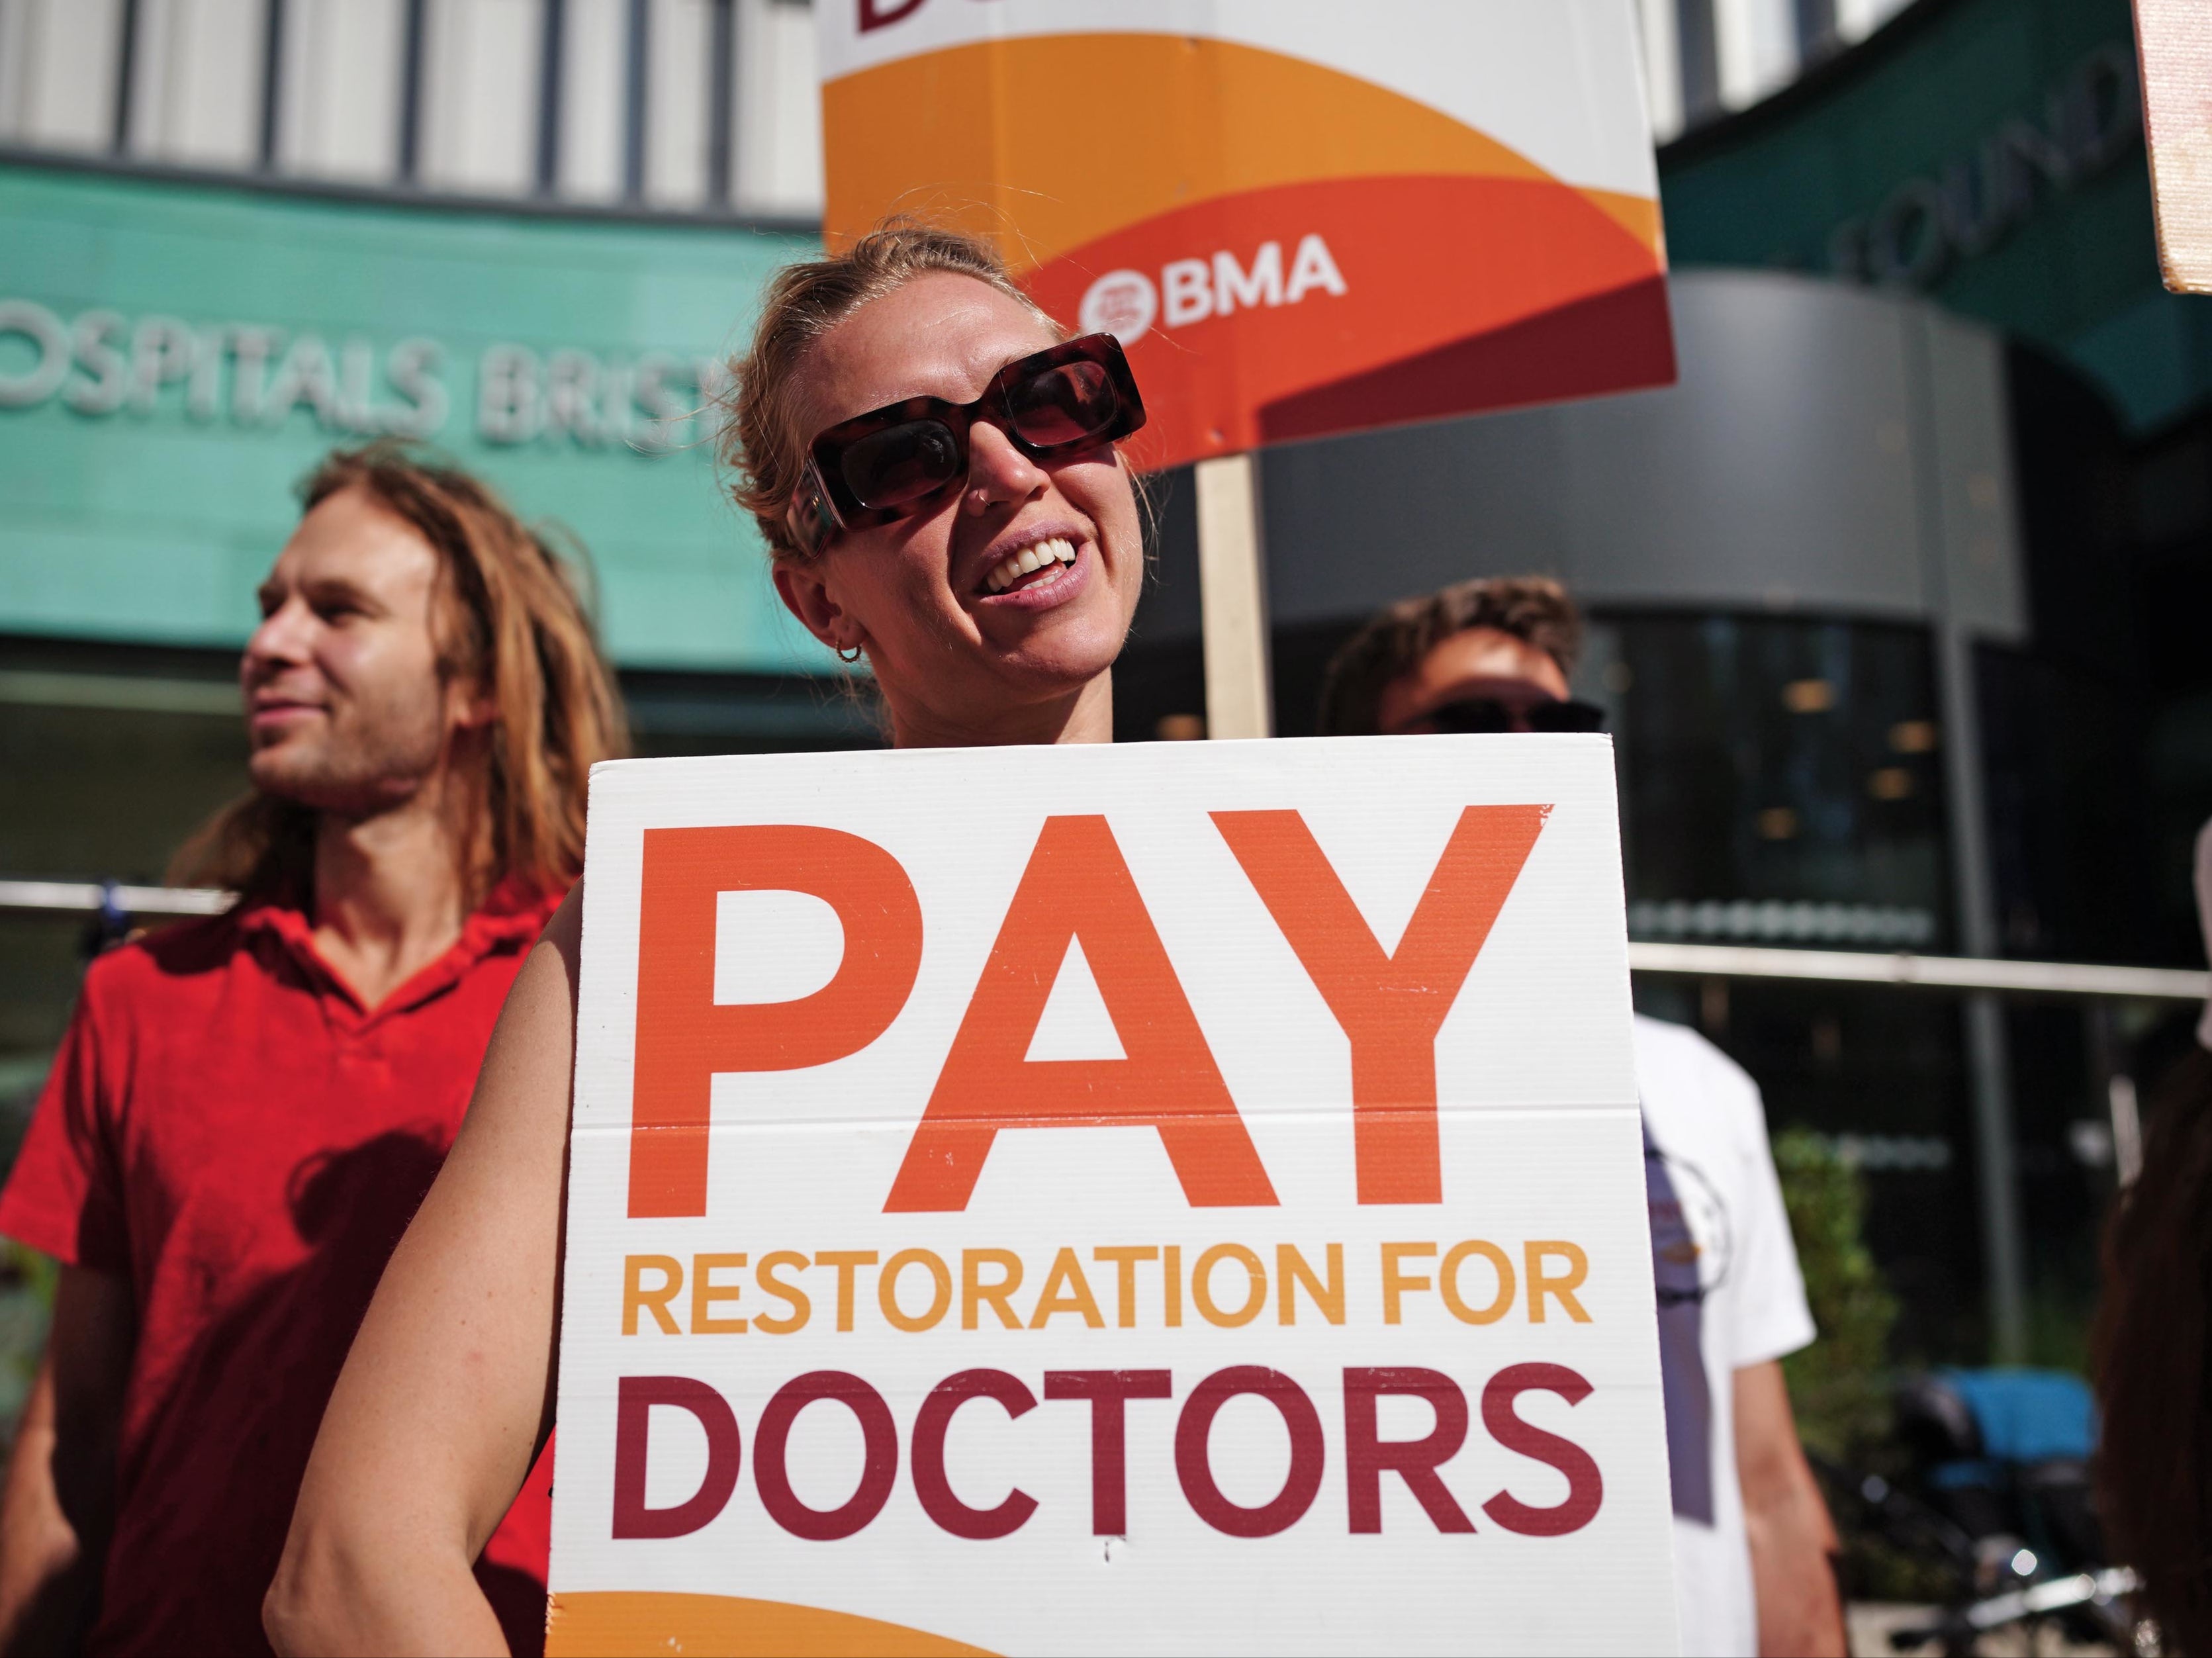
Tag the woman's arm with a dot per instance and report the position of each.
(448, 1393)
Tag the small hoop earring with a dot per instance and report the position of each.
(854, 657)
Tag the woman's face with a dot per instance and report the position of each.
(961, 657)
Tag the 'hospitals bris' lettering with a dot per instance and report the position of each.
(260, 377)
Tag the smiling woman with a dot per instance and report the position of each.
(936, 472)
(936, 475)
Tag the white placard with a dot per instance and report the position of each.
(1202, 1210)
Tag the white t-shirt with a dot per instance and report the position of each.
(1729, 1295)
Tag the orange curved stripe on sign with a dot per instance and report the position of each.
(602, 1623)
(1075, 137)
(1611, 341)
(1490, 253)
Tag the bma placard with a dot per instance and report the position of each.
(1170, 1197)
(1300, 216)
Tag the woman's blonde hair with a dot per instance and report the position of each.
(511, 621)
(760, 444)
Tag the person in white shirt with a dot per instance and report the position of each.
(1730, 1305)
(1754, 1572)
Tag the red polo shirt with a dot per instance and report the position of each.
(229, 1128)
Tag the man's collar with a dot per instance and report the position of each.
(511, 914)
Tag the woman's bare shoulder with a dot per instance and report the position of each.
(561, 944)
(565, 930)
(525, 1079)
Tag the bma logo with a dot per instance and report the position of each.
(1125, 303)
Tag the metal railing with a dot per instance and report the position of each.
(1699, 961)
(1935, 972)
(92, 897)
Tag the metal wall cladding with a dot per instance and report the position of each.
(1827, 449)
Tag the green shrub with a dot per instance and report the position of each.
(27, 1296)
(1839, 1386)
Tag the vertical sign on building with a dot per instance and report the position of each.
(1165, 1199)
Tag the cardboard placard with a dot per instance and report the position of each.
(2174, 41)
(1172, 1198)
(1301, 217)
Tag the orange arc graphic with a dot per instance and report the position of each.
(1488, 259)
(1173, 122)
(602, 1623)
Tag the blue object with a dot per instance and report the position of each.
(1975, 1473)
(2028, 1416)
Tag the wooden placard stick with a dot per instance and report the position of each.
(1233, 598)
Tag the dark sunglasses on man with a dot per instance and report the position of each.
(905, 458)
(1488, 713)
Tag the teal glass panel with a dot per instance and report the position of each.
(174, 356)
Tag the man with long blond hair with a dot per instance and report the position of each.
(247, 1111)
